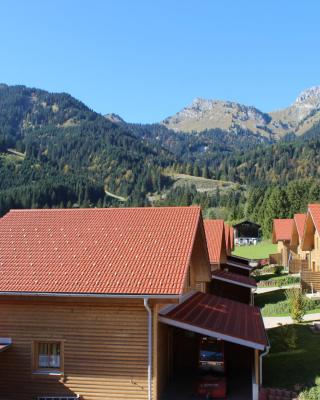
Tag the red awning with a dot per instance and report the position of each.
(220, 318)
(236, 279)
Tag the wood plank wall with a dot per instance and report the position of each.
(105, 348)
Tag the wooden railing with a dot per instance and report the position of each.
(310, 280)
(295, 266)
(275, 259)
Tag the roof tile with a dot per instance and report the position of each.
(214, 230)
(119, 251)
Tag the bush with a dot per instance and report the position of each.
(283, 307)
(281, 281)
(278, 269)
(285, 339)
(297, 304)
(268, 269)
(310, 394)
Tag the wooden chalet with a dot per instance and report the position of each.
(247, 233)
(310, 245)
(230, 275)
(112, 304)
(297, 256)
(281, 235)
(216, 242)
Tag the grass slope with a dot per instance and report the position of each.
(285, 369)
(261, 250)
(201, 184)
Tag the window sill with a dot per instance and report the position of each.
(53, 373)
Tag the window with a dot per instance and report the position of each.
(48, 356)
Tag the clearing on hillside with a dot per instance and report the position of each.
(201, 184)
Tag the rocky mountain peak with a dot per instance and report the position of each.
(309, 97)
(115, 118)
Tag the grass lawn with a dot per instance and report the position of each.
(261, 299)
(275, 304)
(261, 250)
(284, 369)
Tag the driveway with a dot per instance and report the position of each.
(273, 322)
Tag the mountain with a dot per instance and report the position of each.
(300, 116)
(55, 151)
(204, 114)
(114, 118)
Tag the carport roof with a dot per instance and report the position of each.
(220, 318)
(236, 279)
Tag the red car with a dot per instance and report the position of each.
(211, 383)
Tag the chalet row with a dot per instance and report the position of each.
(298, 241)
(116, 303)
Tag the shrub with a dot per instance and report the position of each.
(281, 281)
(285, 338)
(297, 304)
(283, 307)
(310, 394)
(278, 269)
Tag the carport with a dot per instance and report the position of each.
(232, 286)
(239, 326)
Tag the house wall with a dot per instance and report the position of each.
(314, 258)
(283, 249)
(310, 274)
(105, 348)
(199, 272)
(301, 254)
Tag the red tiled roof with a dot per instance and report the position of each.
(227, 319)
(234, 278)
(119, 251)
(214, 235)
(300, 220)
(314, 210)
(282, 229)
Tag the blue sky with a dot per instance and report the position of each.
(147, 59)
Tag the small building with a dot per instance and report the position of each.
(216, 242)
(281, 235)
(113, 303)
(247, 233)
(297, 255)
(232, 285)
(229, 238)
(310, 274)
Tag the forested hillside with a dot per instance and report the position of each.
(70, 154)
(56, 152)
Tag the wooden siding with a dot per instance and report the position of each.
(315, 253)
(295, 266)
(199, 270)
(283, 249)
(275, 258)
(105, 348)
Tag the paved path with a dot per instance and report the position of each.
(273, 322)
(274, 288)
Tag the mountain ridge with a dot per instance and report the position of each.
(231, 116)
